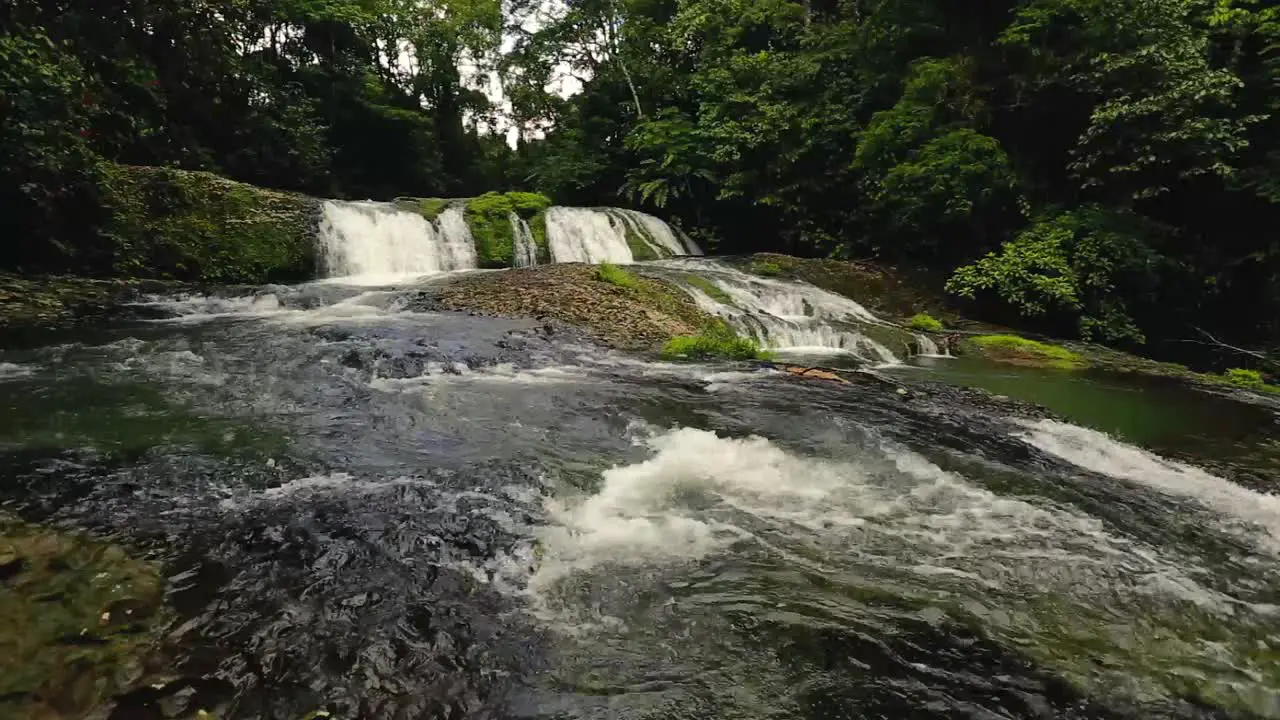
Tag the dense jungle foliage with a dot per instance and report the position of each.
(1103, 168)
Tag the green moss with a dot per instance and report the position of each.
(538, 229)
(489, 217)
(641, 250)
(184, 225)
(765, 268)
(78, 621)
(614, 275)
(717, 340)
(432, 207)
(1021, 351)
(925, 322)
(713, 291)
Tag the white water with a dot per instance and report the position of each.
(10, 371)
(375, 241)
(526, 251)
(786, 315)
(889, 508)
(926, 347)
(587, 236)
(599, 235)
(1098, 452)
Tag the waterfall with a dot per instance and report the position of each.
(782, 314)
(926, 347)
(587, 236)
(597, 235)
(526, 251)
(379, 240)
(455, 238)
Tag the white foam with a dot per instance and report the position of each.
(1096, 451)
(436, 373)
(377, 243)
(13, 371)
(891, 509)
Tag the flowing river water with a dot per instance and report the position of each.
(371, 509)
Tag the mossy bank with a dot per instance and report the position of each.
(198, 226)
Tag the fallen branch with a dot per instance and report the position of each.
(1215, 342)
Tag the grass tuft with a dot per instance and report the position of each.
(716, 341)
(614, 275)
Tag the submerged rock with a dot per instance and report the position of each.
(79, 622)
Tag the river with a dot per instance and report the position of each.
(367, 508)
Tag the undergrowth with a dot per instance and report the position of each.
(716, 341)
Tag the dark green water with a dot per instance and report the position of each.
(1161, 414)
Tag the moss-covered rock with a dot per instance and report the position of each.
(1016, 350)
(429, 208)
(198, 226)
(640, 313)
(79, 622)
(489, 217)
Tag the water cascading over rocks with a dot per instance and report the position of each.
(382, 240)
(785, 315)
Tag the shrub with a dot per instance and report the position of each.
(1080, 264)
(1248, 379)
(716, 340)
(614, 275)
(925, 323)
(1019, 350)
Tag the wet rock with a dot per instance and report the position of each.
(628, 318)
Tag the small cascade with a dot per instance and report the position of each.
(926, 347)
(782, 314)
(587, 236)
(456, 240)
(599, 235)
(526, 254)
(368, 239)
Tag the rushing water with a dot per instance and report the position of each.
(379, 511)
(374, 243)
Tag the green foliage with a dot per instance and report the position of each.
(925, 323)
(716, 341)
(1249, 380)
(710, 289)
(489, 217)
(1079, 264)
(614, 275)
(48, 172)
(1020, 350)
(198, 226)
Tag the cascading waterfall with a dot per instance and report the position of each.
(784, 315)
(382, 240)
(368, 239)
(599, 235)
(587, 236)
(926, 347)
(526, 254)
